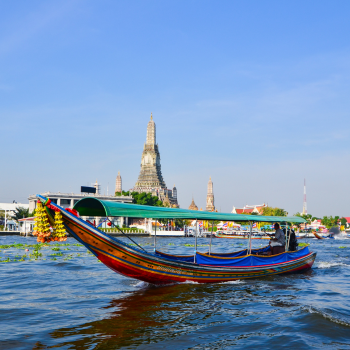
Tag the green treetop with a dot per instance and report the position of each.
(330, 221)
(142, 198)
(269, 211)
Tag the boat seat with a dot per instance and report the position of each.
(278, 250)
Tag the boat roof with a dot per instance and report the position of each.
(91, 206)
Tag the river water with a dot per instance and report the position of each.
(66, 299)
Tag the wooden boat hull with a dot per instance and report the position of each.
(317, 236)
(135, 263)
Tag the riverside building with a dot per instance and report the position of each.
(68, 200)
(249, 209)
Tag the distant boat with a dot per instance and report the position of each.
(318, 236)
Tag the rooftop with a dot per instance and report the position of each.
(79, 195)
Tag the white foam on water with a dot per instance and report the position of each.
(341, 236)
(141, 284)
(326, 264)
(189, 282)
(328, 317)
(232, 282)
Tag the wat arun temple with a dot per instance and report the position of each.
(150, 178)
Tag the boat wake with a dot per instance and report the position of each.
(340, 237)
(141, 284)
(189, 282)
(326, 264)
(327, 316)
(232, 282)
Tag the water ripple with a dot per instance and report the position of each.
(67, 299)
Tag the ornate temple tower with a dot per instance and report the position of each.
(210, 197)
(193, 205)
(150, 177)
(118, 183)
(150, 174)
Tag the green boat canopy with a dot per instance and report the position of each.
(91, 206)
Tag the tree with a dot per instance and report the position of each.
(329, 221)
(180, 222)
(20, 213)
(343, 222)
(123, 193)
(142, 198)
(308, 217)
(269, 211)
(146, 199)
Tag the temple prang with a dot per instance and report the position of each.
(210, 197)
(118, 183)
(193, 205)
(150, 179)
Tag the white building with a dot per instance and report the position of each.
(9, 209)
(68, 200)
(248, 209)
(26, 225)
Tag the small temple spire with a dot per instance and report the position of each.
(210, 196)
(118, 183)
(151, 133)
(193, 205)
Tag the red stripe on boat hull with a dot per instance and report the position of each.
(155, 278)
(129, 271)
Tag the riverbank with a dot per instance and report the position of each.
(9, 233)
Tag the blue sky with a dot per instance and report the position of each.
(252, 93)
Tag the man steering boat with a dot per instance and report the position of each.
(278, 243)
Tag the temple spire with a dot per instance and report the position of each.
(210, 197)
(151, 132)
(150, 179)
(118, 183)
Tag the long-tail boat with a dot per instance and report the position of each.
(160, 268)
(318, 236)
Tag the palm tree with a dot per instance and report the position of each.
(20, 213)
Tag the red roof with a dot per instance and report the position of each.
(27, 219)
(242, 211)
(347, 219)
(258, 209)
